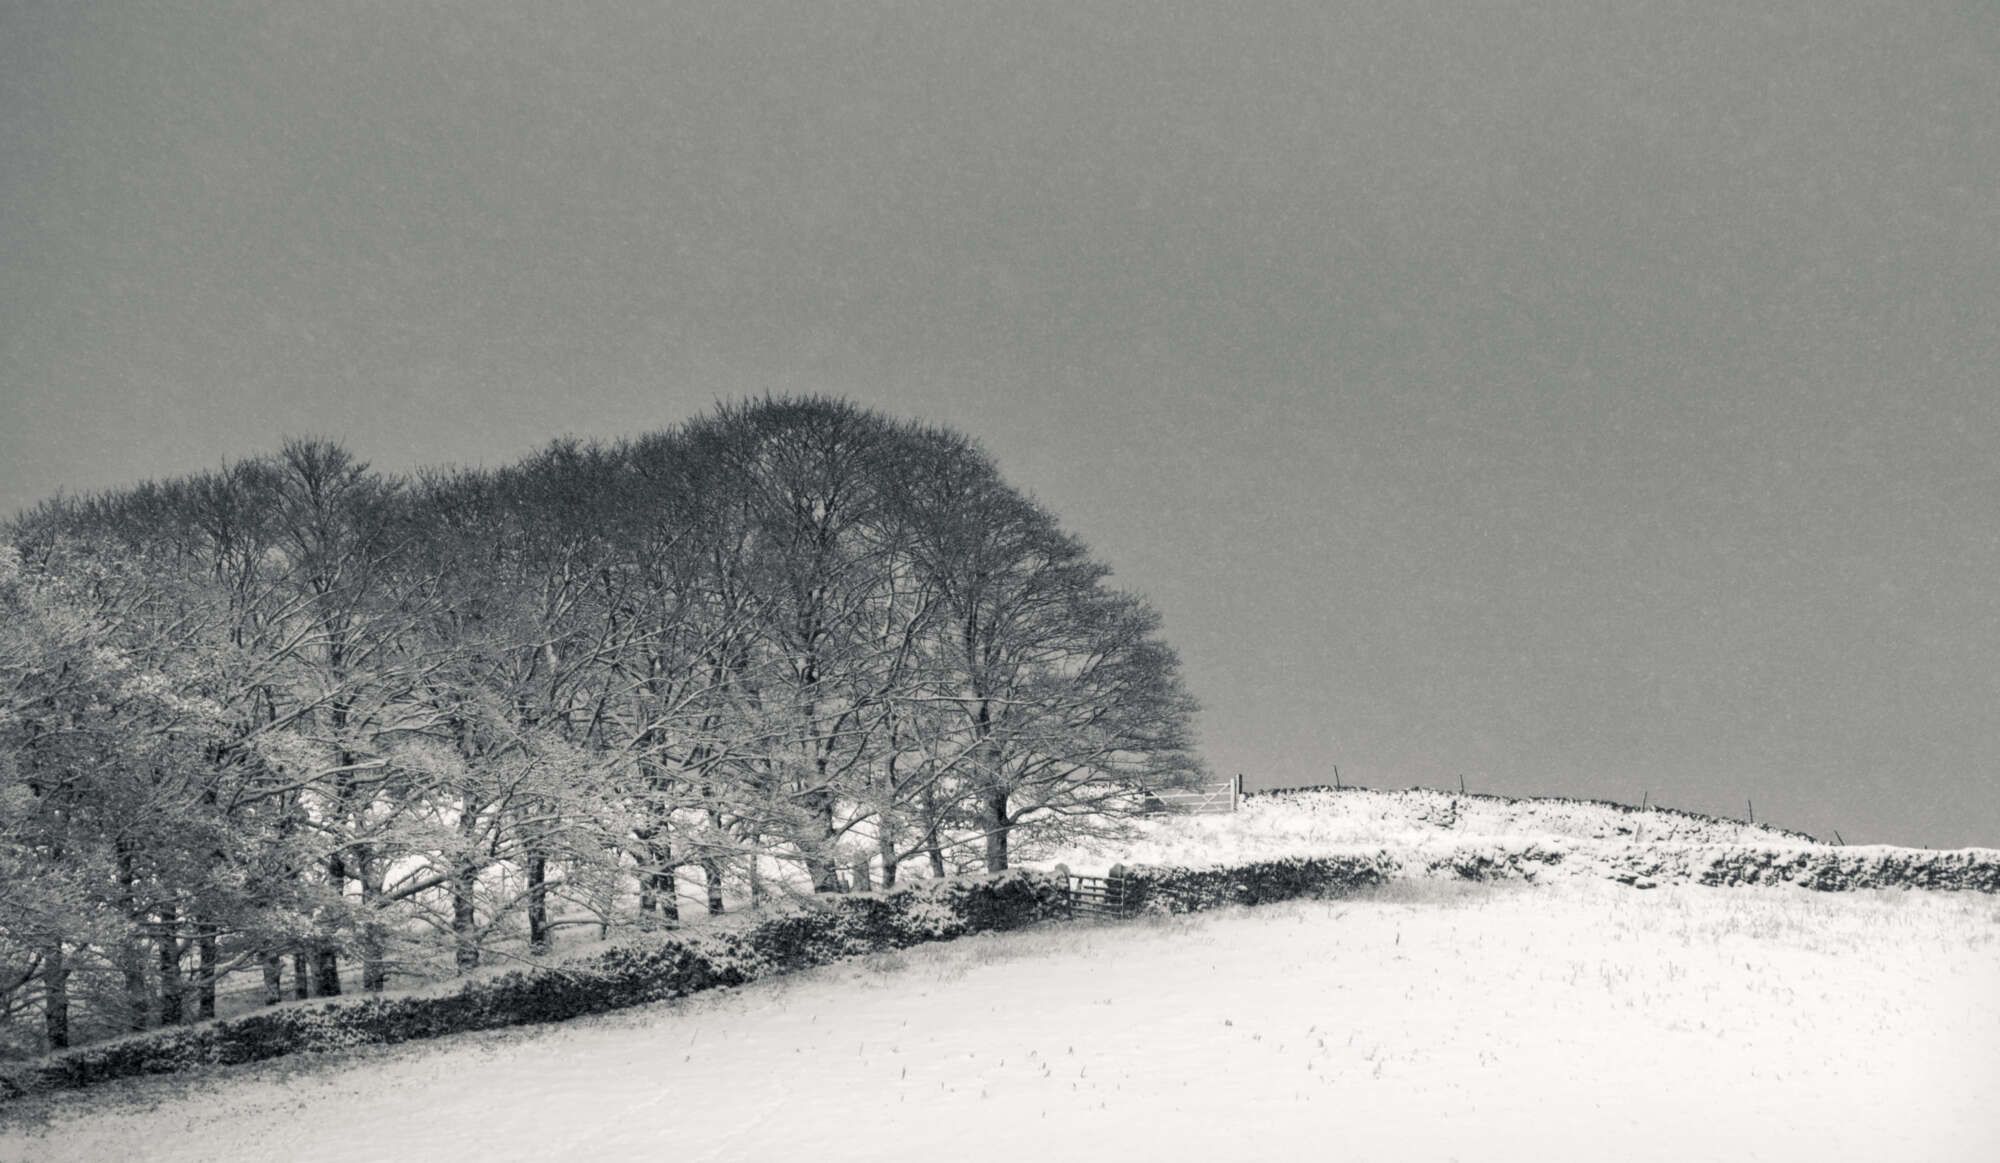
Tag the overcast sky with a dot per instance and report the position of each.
(1588, 398)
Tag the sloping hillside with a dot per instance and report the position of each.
(1430, 833)
(1307, 822)
(1426, 1021)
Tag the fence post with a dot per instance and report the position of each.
(1236, 791)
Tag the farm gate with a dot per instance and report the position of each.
(1099, 896)
(1217, 798)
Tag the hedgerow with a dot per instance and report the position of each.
(828, 928)
(819, 931)
(1185, 890)
(1844, 869)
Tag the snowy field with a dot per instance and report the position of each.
(1433, 833)
(1410, 823)
(1429, 1021)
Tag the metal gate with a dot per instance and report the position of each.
(1215, 797)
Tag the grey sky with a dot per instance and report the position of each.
(1590, 398)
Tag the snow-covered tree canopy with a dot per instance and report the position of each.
(293, 712)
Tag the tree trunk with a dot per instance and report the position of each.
(668, 888)
(538, 904)
(55, 996)
(465, 882)
(374, 963)
(889, 824)
(886, 843)
(931, 846)
(824, 866)
(274, 988)
(138, 995)
(604, 895)
(996, 831)
(169, 943)
(326, 970)
(465, 918)
(825, 874)
(996, 798)
(326, 967)
(711, 874)
(204, 976)
(206, 932)
(657, 888)
(713, 867)
(131, 953)
(862, 883)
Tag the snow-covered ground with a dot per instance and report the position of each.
(1574, 1020)
(1422, 833)
(1407, 823)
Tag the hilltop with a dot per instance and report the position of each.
(1424, 833)
(1322, 820)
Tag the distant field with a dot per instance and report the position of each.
(1406, 821)
(1576, 1020)
(1434, 833)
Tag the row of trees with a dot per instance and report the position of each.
(293, 717)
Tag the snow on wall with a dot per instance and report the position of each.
(1439, 834)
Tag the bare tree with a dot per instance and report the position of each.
(293, 711)
(1051, 698)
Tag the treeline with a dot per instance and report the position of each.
(314, 724)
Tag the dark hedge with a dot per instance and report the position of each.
(822, 930)
(1843, 870)
(1186, 890)
(827, 928)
